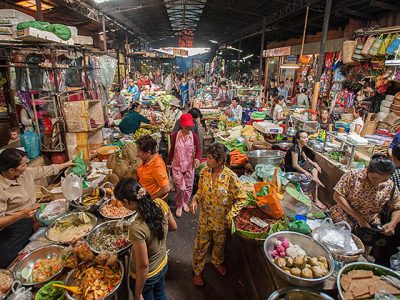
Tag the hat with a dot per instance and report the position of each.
(186, 120)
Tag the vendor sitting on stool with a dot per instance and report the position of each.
(18, 201)
(297, 161)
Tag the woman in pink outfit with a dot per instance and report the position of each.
(184, 159)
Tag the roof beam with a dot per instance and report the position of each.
(355, 13)
(384, 5)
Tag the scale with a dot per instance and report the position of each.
(268, 128)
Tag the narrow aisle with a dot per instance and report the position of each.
(179, 278)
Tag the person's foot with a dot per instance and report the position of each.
(221, 270)
(178, 212)
(186, 208)
(198, 280)
(320, 205)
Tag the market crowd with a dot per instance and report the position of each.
(368, 200)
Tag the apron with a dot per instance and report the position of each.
(13, 239)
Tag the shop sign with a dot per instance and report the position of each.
(292, 58)
(283, 51)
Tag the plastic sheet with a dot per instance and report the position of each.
(107, 70)
(19, 292)
(71, 187)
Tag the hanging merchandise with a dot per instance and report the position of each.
(47, 85)
(30, 141)
(357, 56)
(47, 126)
(394, 47)
(373, 51)
(367, 46)
(348, 50)
(385, 44)
(107, 66)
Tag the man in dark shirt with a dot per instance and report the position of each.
(131, 122)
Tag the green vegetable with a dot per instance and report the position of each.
(319, 215)
(49, 292)
(264, 191)
(280, 225)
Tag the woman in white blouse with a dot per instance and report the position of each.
(357, 125)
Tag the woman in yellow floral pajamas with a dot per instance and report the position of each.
(220, 197)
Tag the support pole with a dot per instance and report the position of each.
(321, 56)
(103, 21)
(39, 13)
(238, 60)
(260, 69)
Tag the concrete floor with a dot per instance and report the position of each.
(179, 278)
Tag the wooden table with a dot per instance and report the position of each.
(259, 276)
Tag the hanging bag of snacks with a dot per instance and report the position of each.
(348, 50)
(373, 51)
(385, 44)
(368, 44)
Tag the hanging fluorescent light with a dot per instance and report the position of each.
(248, 56)
(214, 42)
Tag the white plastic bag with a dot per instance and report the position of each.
(395, 261)
(337, 237)
(71, 187)
(19, 292)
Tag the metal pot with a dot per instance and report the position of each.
(284, 146)
(298, 294)
(310, 246)
(267, 157)
(291, 131)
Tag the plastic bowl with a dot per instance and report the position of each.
(38, 294)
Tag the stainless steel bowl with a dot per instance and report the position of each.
(111, 224)
(267, 157)
(27, 263)
(66, 217)
(111, 218)
(377, 269)
(284, 145)
(310, 246)
(298, 294)
(293, 177)
(72, 281)
(77, 204)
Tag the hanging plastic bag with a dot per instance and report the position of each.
(72, 187)
(269, 202)
(79, 167)
(30, 142)
(19, 292)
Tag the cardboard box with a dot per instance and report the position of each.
(36, 35)
(15, 14)
(83, 40)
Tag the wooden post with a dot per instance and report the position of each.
(262, 49)
(118, 66)
(103, 21)
(39, 13)
(321, 56)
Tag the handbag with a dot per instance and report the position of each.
(348, 50)
(385, 44)
(368, 44)
(373, 51)
(357, 56)
(394, 46)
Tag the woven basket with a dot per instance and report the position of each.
(377, 64)
(380, 149)
(391, 119)
(348, 50)
(370, 125)
(395, 106)
(351, 258)
(368, 44)
(386, 103)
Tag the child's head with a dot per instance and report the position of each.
(216, 155)
(14, 133)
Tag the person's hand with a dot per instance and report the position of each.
(169, 167)
(318, 168)
(308, 174)
(67, 164)
(363, 223)
(388, 229)
(193, 205)
(139, 297)
(29, 212)
(196, 163)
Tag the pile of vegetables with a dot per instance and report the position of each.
(237, 158)
(164, 99)
(280, 225)
(140, 132)
(294, 260)
(50, 292)
(234, 145)
(244, 220)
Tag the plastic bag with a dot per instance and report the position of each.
(71, 187)
(395, 261)
(30, 142)
(19, 292)
(270, 203)
(80, 166)
(299, 226)
(384, 296)
(337, 237)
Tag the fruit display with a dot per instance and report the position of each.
(294, 260)
(140, 132)
(92, 199)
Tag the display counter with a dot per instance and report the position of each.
(259, 277)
